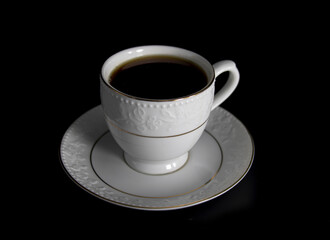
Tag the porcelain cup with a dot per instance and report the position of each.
(156, 135)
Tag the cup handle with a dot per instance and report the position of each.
(231, 84)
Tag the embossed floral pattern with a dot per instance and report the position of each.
(148, 119)
(152, 118)
(144, 121)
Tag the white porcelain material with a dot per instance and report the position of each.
(156, 135)
(217, 162)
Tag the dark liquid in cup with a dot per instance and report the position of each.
(158, 77)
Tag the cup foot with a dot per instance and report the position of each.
(156, 167)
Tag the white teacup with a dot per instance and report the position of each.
(156, 135)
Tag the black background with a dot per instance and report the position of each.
(68, 48)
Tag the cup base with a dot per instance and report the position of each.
(156, 167)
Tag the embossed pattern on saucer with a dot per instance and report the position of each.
(220, 159)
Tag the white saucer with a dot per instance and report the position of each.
(219, 160)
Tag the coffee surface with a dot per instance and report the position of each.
(158, 77)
